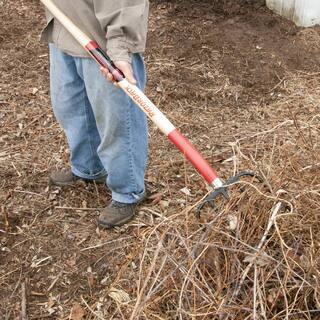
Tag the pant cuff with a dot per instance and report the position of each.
(128, 198)
(92, 176)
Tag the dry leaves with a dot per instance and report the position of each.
(77, 312)
(119, 295)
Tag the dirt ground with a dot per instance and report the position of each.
(243, 85)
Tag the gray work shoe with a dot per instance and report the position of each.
(65, 177)
(116, 214)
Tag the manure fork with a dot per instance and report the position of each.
(162, 122)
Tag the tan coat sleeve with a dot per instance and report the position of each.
(125, 24)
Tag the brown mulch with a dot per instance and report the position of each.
(243, 85)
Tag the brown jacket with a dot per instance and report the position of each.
(120, 27)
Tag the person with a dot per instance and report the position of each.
(106, 132)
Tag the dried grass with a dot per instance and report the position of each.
(265, 266)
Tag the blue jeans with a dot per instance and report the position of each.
(105, 130)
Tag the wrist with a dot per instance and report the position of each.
(119, 50)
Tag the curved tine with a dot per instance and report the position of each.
(223, 190)
(203, 203)
(210, 199)
(242, 174)
(217, 192)
(249, 173)
(201, 206)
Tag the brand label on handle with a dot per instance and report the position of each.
(139, 100)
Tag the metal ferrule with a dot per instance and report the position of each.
(216, 183)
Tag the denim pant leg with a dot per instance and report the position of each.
(74, 113)
(123, 131)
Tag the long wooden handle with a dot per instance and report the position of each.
(161, 121)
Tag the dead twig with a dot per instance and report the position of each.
(23, 302)
(272, 218)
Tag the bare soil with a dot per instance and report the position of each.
(243, 85)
